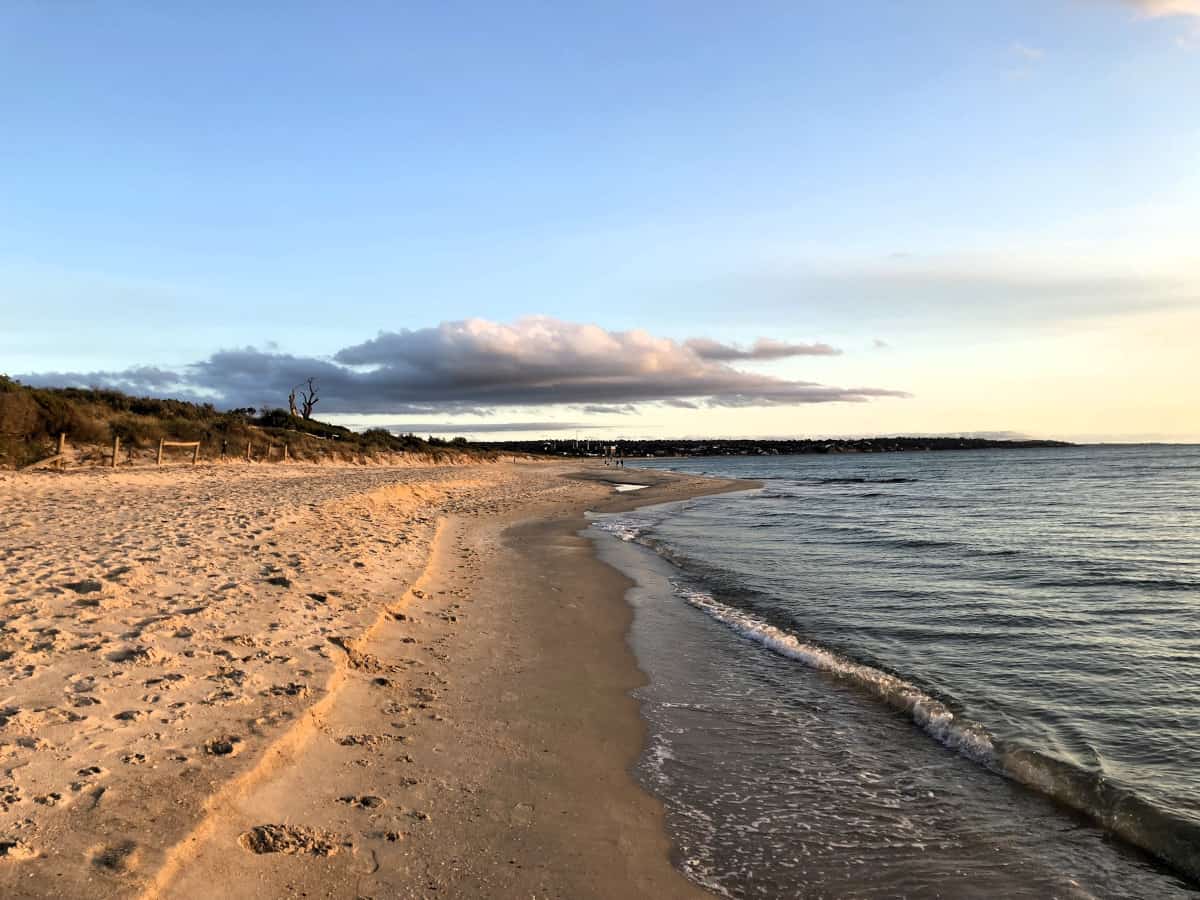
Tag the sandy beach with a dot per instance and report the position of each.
(320, 681)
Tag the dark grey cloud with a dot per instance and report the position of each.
(146, 379)
(600, 409)
(420, 428)
(763, 349)
(476, 365)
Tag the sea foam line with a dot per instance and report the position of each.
(1170, 837)
(929, 713)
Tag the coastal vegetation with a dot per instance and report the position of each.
(32, 418)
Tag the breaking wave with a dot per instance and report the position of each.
(1170, 837)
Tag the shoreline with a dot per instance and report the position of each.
(426, 678)
(723, 608)
(513, 774)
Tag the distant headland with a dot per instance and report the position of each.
(755, 447)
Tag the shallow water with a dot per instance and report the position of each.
(876, 670)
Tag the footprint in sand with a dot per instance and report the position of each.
(226, 745)
(135, 655)
(291, 689)
(367, 801)
(370, 741)
(15, 851)
(85, 586)
(291, 839)
(522, 814)
(116, 859)
(10, 795)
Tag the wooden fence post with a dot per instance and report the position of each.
(194, 446)
(116, 448)
(248, 446)
(62, 448)
(285, 452)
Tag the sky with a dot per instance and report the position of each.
(659, 219)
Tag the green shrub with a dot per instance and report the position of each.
(32, 418)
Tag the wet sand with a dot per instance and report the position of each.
(333, 682)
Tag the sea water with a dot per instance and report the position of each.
(926, 674)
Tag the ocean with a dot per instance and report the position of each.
(925, 674)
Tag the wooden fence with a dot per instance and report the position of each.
(195, 445)
(59, 459)
(284, 452)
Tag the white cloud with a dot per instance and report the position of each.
(1162, 8)
(478, 365)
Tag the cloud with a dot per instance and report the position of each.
(763, 349)
(484, 427)
(1162, 9)
(477, 365)
(1027, 53)
(1156, 9)
(599, 409)
(956, 292)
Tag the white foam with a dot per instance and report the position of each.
(625, 529)
(625, 488)
(933, 716)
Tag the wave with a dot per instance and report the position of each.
(860, 479)
(627, 528)
(933, 716)
(918, 544)
(1145, 584)
(1172, 838)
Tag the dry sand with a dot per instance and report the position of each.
(256, 681)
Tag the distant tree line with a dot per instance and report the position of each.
(751, 447)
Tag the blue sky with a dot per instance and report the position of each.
(1000, 192)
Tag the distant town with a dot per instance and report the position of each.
(751, 447)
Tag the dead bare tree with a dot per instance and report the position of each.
(308, 399)
(292, 403)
